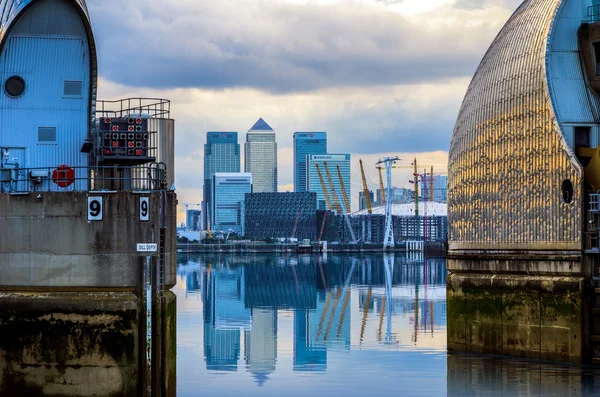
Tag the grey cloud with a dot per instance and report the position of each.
(478, 4)
(276, 47)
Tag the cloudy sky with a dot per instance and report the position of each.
(381, 77)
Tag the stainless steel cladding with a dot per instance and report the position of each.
(165, 145)
(509, 161)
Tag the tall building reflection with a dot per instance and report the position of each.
(243, 300)
(261, 344)
(225, 316)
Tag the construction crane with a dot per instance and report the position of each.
(336, 202)
(366, 188)
(346, 201)
(324, 187)
(381, 187)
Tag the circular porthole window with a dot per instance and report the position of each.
(567, 191)
(14, 86)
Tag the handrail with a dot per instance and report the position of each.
(150, 177)
(154, 107)
(593, 13)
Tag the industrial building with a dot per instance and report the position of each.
(229, 191)
(523, 178)
(334, 171)
(260, 157)
(430, 225)
(306, 144)
(281, 215)
(221, 154)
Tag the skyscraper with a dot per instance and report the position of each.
(305, 144)
(260, 157)
(329, 162)
(229, 193)
(221, 154)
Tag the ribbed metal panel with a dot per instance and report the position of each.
(11, 10)
(165, 144)
(572, 100)
(508, 157)
(45, 62)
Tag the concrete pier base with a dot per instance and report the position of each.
(81, 344)
(60, 344)
(517, 315)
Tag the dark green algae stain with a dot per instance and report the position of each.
(56, 341)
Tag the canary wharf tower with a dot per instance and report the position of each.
(524, 177)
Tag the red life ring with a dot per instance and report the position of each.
(63, 176)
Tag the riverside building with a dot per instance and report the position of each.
(281, 215)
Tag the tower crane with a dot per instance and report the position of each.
(366, 188)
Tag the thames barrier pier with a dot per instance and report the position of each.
(523, 191)
(88, 217)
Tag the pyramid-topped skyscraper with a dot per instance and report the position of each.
(260, 157)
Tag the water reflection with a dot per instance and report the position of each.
(342, 325)
(305, 315)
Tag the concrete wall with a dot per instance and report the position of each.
(536, 316)
(69, 344)
(48, 242)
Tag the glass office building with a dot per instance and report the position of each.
(329, 162)
(229, 191)
(305, 144)
(281, 215)
(221, 154)
(260, 157)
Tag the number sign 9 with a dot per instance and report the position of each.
(144, 209)
(95, 208)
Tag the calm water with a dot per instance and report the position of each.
(344, 325)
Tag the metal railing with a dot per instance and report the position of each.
(150, 177)
(153, 107)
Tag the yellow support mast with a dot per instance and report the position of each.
(344, 193)
(324, 187)
(416, 182)
(381, 187)
(336, 202)
(366, 188)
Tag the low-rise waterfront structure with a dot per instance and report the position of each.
(281, 215)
